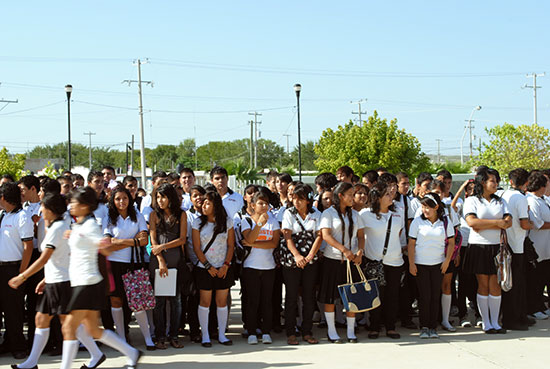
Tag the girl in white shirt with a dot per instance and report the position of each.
(487, 215)
(213, 243)
(87, 285)
(342, 229)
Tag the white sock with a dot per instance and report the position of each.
(70, 349)
(494, 310)
(115, 341)
(118, 318)
(90, 345)
(332, 333)
(222, 313)
(40, 340)
(203, 321)
(141, 317)
(445, 309)
(151, 321)
(351, 327)
(483, 306)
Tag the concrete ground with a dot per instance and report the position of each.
(468, 348)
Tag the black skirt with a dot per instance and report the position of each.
(206, 282)
(55, 299)
(89, 297)
(118, 269)
(333, 274)
(480, 259)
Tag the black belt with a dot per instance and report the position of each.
(3, 263)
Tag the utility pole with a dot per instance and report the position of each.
(534, 87)
(287, 146)
(256, 115)
(7, 102)
(438, 150)
(138, 62)
(90, 134)
(359, 112)
(251, 122)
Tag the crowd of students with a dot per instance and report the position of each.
(65, 246)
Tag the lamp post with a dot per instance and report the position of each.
(297, 89)
(69, 90)
(469, 126)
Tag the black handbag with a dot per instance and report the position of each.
(374, 269)
(529, 251)
(303, 240)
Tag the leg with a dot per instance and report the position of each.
(222, 313)
(309, 279)
(13, 306)
(494, 301)
(435, 294)
(251, 279)
(203, 312)
(160, 322)
(391, 297)
(266, 303)
(424, 295)
(175, 316)
(70, 343)
(482, 300)
(446, 300)
(40, 339)
(291, 278)
(118, 315)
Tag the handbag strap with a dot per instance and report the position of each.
(349, 274)
(405, 201)
(387, 240)
(210, 243)
(299, 222)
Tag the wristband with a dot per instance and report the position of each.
(228, 263)
(207, 265)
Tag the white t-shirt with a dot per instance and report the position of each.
(311, 223)
(449, 212)
(415, 205)
(84, 244)
(217, 252)
(33, 208)
(400, 207)
(448, 200)
(430, 240)
(189, 244)
(375, 234)
(517, 205)
(232, 203)
(145, 202)
(57, 268)
(331, 220)
(124, 229)
(16, 228)
(186, 203)
(261, 259)
(101, 213)
(483, 209)
(539, 213)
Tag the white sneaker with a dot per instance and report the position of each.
(433, 333)
(539, 315)
(266, 339)
(424, 333)
(252, 340)
(547, 312)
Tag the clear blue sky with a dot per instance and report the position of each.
(425, 63)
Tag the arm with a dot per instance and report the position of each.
(250, 235)
(331, 241)
(229, 256)
(316, 246)
(411, 249)
(298, 258)
(360, 245)
(460, 190)
(450, 250)
(526, 224)
(27, 253)
(266, 245)
(481, 224)
(35, 267)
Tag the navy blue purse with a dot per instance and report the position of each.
(359, 296)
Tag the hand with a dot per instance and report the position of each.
(105, 242)
(263, 218)
(245, 243)
(348, 255)
(463, 186)
(358, 257)
(67, 234)
(16, 281)
(457, 260)
(444, 266)
(36, 218)
(222, 272)
(413, 270)
(163, 270)
(300, 261)
(40, 287)
(213, 271)
(157, 249)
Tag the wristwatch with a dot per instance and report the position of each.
(260, 224)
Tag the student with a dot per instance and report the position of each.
(232, 201)
(369, 178)
(325, 200)
(187, 181)
(213, 243)
(131, 184)
(344, 174)
(342, 229)
(55, 289)
(324, 181)
(376, 219)
(271, 180)
(486, 214)
(303, 239)
(282, 188)
(108, 174)
(66, 184)
(87, 284)
(128, 232)
(97, 183)
(427, 259)
(262, 234)
(6, 178)
(422, 187)
(360, 196)
(16, 247)
(78, 180)
(168, 227)
(158, 177)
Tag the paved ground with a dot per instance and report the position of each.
(466, 349)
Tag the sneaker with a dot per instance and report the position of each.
(479, 323)
(454, 311)
(433, 333)
(424, 333)
(539, 315)
(252, 340)
(547, 312)
(465, 323)
(266, 339)
(448, 327)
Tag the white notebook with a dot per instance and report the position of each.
(166, 286)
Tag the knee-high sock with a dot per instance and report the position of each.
(222, 313)
(151, 321)
(115, 341)
(118, 318)
(141, 317)
(331, 325)
(203, 321)
(39, 342)
(70, 348)
(494, 310)
(351, 326)
(90, 345)
(445, 309)
(483, 306)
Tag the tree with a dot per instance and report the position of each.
(269, 153)
(11, 164)
(510, 147)
(373, 144)
(308, 156)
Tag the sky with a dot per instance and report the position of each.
(425, 63)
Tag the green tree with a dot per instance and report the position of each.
(186, 153)
(269, 153)
(11, 164)
(374, 143)
(308, 156)
(510, 147)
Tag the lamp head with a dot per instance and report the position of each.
(68, 89)
(478, 107)
(297, 88)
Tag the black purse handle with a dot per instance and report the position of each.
(388, 232)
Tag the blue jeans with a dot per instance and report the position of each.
(159, 316)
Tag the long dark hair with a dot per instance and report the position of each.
(86, 196)
(479, 180)
(247, 189)
(168, 191)
(375, 194)
(113, 211)
(432, 200)
(304, 192)
(341, 188)
(220, 215)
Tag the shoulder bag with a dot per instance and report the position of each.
(303, 241)
(138, 288)
(359, 296)
(503, 261)
(374, 269)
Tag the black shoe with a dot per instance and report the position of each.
(531, 321)
(394, 335)
(101, 360)
(491, 331)
(338, 340)
(151, 348)
(196, 339)
(322, 324)
(373, 335)
(206, 344)
(226, 343)
(19, 355)
(353, 340)
(501, 331)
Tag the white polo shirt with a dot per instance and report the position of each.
(101, 213)
(125, 228)
(189, 244)
(375, 234)
(33, 209)
(232, 203)
(16, 227)
(292, 222)
(331, 220)
(217, 252)
(430, 240)
(483, 209)
(261, 259)
(84, 244)
(539, 213)
(56, 269)
(186, 203)
(518, 207)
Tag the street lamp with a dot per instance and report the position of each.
(297, 89)
(469, 126)
(69, 90)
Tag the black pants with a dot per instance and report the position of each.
(514, 305)
(12, 301)
(467, 288)
(277, 298)
(31, 297)
(407, 293)
(189, 313)
(297, 279)
(259, 287)
(389, 297)
(429, 279)
(537, 279)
